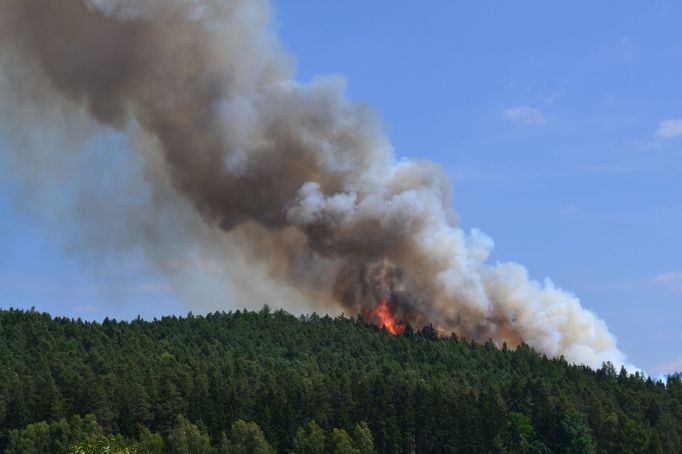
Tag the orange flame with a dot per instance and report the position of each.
(383, 313)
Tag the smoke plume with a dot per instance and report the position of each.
(260, 172)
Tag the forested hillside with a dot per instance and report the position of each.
(272, 382)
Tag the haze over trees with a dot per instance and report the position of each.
(265, 382)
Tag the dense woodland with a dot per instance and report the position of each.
(264, 382)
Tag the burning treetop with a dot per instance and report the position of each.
(382, 315)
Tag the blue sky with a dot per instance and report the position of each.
(560, 125)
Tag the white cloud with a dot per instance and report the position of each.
(525, 115)
(667, 129)
(669, 367)
(670, 279)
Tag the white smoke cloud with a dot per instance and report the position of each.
(525, 115)
(667, 129)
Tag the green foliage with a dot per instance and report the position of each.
(102, 444)
(35, 438)
(309, 439)
(575, 435)
(305, 385)
(247, 438)
(56, 437)
(521, 429)
(341, 443)
(149, 443)
(362, 438)
(186, 438)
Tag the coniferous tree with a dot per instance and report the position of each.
(341, 443)
(149, 442)
(186, 438)
(247, 438)
(309, 439)
(362, 438)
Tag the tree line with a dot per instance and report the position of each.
(78, 435)
(271, 382)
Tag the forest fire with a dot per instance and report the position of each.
(285, 185)
(382, 313)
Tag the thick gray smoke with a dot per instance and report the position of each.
(294, 179)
